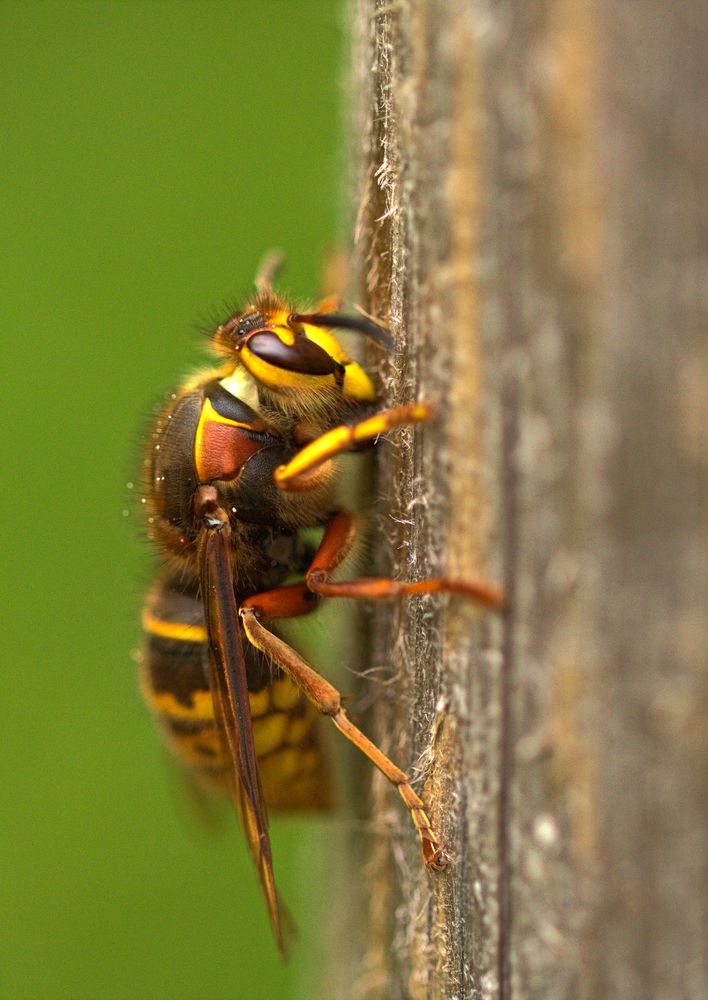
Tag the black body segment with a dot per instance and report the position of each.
(172, 475)
(229, 406)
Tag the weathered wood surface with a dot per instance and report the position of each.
(527, 225)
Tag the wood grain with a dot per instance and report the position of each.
(527, 192)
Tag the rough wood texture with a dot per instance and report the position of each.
(528, 196)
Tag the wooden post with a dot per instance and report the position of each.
(527, 205)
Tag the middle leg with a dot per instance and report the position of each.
(301, 598)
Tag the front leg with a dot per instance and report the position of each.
(294, 474)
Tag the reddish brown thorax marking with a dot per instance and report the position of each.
(224, 450)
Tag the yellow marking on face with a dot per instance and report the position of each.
(269, 732)
(165, 703)
(174, 630)
(281, 328)
(357, 384)
(285, 695)
(298, 729)
(259, 702)
(280, 378)
(327, 342)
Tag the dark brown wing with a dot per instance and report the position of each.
(229, 691)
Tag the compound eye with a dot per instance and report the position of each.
(304, 356)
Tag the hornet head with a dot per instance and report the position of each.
(296, 354)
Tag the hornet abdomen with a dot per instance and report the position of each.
(175, 685)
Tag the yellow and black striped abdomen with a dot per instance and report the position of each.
(175, 685)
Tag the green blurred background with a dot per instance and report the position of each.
(151, 153)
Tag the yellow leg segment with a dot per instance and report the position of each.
(341, 439)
